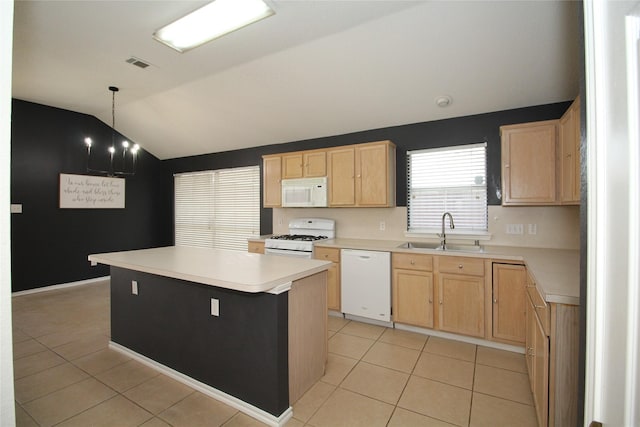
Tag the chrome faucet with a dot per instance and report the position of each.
(443, 236)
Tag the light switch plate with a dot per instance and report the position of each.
(134, 287)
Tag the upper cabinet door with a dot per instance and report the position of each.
(314, 164)
(569, 144)
(292, 165)
(375, 174)
(304, 164)
(341, 162)
(271, 173)
(529, 163)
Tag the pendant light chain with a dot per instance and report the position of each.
(113, 90)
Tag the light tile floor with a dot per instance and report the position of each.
(65, 375)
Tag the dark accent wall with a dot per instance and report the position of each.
(50, 245)
(439, 133)
(243, 352)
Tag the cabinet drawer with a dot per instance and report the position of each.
(461, 265)
(542, 308)
(327, 254)
(412, 261)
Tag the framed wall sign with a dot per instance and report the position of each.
(91, 192)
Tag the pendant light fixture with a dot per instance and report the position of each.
(114, 159)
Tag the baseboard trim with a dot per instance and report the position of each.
(60, 286)
(221, 396)
(462, 338)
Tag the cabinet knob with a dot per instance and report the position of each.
(440, 302)
(495, 300)
(430, 301)
(326, 255)
(459, 265)
(412, 262)
(506, 166)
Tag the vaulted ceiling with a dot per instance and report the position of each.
(314, 69)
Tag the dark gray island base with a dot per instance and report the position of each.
(259, 355)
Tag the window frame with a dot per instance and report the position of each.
(477, 233)
(221, 232)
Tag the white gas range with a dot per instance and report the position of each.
(303, 233)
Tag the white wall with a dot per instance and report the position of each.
(558, 227)
(611, 389)
(7, 408)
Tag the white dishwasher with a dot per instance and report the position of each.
(366, 283)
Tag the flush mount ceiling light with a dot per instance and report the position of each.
(210, 22)
(443, 101)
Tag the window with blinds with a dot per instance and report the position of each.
(451, 179)
(217, 209)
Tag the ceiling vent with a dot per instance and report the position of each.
(137, 62)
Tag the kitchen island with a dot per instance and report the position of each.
(247, 329)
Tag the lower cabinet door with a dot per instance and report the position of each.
(461, 304)
(509, 297)
(541, 374)
(413, 297)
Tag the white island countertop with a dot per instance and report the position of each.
(241, 271)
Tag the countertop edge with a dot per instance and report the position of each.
(210, 281)
(497, 253)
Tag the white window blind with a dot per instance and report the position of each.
(217, 209)
(451, 179)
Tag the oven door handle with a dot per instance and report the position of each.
(285, 252)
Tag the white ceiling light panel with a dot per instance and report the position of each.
(211, 21)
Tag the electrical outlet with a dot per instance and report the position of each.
(215, 307)
(515, 229)
(383, 225)
(533, 229)
(134, 287)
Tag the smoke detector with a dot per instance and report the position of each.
(443, 101)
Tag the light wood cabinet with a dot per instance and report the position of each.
(529, 163)
(333, 275)
(341, 167)
(412, 289)
(541, 161)
(304, 164)
(552, 346)
(271, 181)
(255, 247)
(508, 301)
(569, 145)
(362, 175)
(461, 295)
(538, 364)
(375, 174)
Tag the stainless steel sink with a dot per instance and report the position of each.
(438, 247)
(462, 248)
(419, 245)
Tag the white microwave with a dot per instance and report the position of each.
(304, 193)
